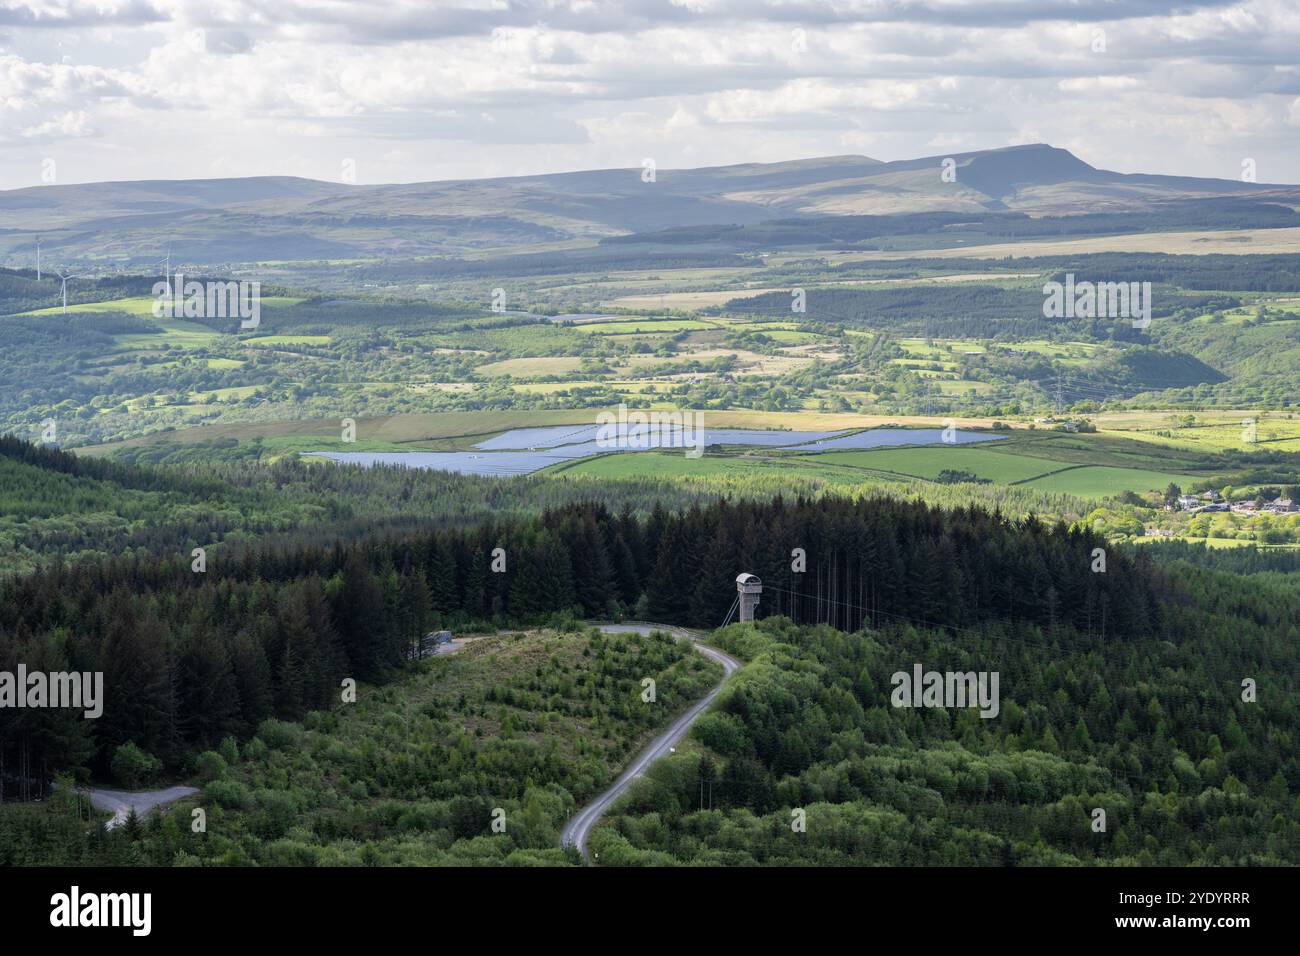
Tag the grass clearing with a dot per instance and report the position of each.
(532, 367)
(171, 332)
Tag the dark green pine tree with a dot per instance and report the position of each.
(360, 619)
(253, 673)
(593, 572)
(671, 585)
(207, 690)
(138, 684)
(441, 577)
(415, 614)
(716, 588)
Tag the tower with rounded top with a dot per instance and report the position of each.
(750, 588)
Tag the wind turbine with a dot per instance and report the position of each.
(65, 276)
(38, 258)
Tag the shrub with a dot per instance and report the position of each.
(132, 766)
(227, 793)
(210, 765)
(279, 734)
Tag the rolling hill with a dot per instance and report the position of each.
(220, 221)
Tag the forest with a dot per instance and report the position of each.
(852, 231)
(1122, 690)
(191, 656)
(517, 727)
(1154, 733)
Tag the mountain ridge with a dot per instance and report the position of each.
(250, 219)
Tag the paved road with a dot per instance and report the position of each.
(120, 802)
(577, 830)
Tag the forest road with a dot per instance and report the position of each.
(120, 802)
(576, 830)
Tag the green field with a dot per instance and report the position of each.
(892, 464)
(143, 305)
(171, 332)
(1095, 481)
(928, 462)
(676, 464)
(1217, 431)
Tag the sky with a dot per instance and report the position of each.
(399, 91)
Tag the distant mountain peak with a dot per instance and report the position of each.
(286, 217)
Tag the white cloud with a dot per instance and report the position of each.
(67, 125)
(479, 85)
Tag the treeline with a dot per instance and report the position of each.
(958, 310)
(329, 312)
(1176, 215)
(1138, 369)
(547, 263)
(55, 504)
(192, 656)
(1244, 560)
(1274, 272)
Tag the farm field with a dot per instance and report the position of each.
(928, 462)
(396, 429)
(525, 367)
(441, 425)
(1241, 242)
(172, 333)
(715, 297)
(1002, 467)
(1212, 430)
(143, 306)
(1095, 481)
(675, 464)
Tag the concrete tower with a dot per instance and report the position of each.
(750, 587)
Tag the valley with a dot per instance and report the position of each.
(409, 441)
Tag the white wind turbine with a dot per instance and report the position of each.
(38, 258)
(65, 276)
(166, 263)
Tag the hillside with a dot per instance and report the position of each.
(288, 218)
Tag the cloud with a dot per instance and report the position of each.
(65, 125)
(63, 15)
(264, 86)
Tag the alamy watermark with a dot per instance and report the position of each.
(639, 431)
(948, 689)
(175, 298)
(76, 690)
(129, 910)
(1107, 300)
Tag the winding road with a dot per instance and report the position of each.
(120, 802)
(576, 831)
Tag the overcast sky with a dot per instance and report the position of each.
(141, 89)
